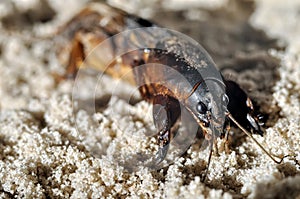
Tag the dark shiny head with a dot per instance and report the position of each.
(241, 108)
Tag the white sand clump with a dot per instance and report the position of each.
(54, 146)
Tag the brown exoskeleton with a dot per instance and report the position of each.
(99, 22)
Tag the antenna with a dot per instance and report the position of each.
(250, 135)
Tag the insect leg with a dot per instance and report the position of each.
(76, 57)
(211, 141)
(226, 135)
(85, 52)
(166, 111)
(209, 159)
(227, 130)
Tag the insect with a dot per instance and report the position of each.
(179, 85)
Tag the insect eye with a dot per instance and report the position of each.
(201, 108)
(225, 99)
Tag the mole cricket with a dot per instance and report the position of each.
(98, 22)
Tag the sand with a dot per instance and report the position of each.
(52, 146)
